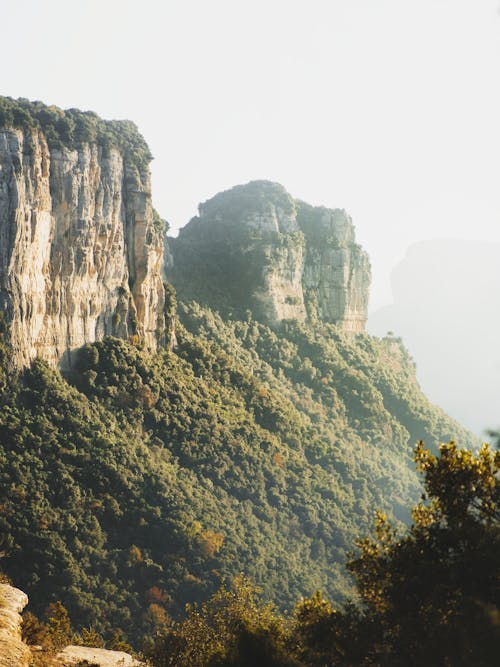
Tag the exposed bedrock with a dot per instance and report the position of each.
(255, 247)
(80, 256)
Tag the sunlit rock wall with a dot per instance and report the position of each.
(80, 257)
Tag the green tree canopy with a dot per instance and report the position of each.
(428, 597)
(434, 594)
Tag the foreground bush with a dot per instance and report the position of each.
(428, 597)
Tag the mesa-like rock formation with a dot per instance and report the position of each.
(80, 254)
(13, 652)
(255, 247)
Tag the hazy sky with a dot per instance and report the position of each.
(388, 108)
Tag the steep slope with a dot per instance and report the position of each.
(255, 247)
(80, 254)
(246, 449)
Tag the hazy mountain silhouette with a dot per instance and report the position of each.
(447, 309)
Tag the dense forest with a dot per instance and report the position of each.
(140, 482)
(430, 596)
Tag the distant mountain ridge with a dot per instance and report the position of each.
(447, 309)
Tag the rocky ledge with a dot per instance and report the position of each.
(97, 657)
(13, 652)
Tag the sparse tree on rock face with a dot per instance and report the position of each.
(434, 594)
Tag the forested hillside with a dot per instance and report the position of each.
(261, 443)
(140, 481)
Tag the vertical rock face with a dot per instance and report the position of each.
(337, 273)
(13, 652)
(80, 257)
(255, 247)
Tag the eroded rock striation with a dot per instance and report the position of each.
(80, 254)
(255, 247)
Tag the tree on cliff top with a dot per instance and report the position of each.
(71, 128)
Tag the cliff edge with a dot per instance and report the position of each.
(81, 252)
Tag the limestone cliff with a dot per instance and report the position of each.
(80, 254)
(13, 652)
(255, 247)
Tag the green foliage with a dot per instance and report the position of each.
(141, 481)
(58, 625)
(222, 263)
(71, 128)
(53, 632)
(232, 629)
(324, 635)
(311, 220)
(428, 597)
(464, 485)
(434, 593)
(34, 632)
(241, 200)
(159, 223)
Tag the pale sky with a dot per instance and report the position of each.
(387, 108)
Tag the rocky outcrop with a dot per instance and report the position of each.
(13, 652)
(337, 274)
(80, 256)
(97, 657)
(255, 247)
